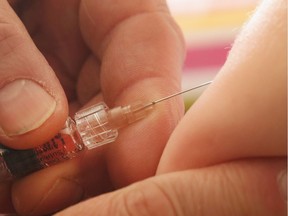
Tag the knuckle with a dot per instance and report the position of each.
(143, 201)
(232, 180)
(10, 38)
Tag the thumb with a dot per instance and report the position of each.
(30, 93)
(238, 188)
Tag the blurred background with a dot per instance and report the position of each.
(209, 28)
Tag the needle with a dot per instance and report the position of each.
(175, 94)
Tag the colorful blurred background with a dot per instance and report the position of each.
(209, 28)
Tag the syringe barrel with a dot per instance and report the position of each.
(66, 144)
(93, 127)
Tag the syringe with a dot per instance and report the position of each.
(92, 127)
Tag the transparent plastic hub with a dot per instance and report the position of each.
(93, 126)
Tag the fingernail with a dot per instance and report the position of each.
(282, 183)
(24, 106)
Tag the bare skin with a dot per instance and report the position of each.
(225, 157)
(118, 54)
(228, 155)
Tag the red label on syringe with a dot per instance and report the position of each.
(56, 150)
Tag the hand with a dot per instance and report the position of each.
(114, 51)
(232, 142)
(236, 188)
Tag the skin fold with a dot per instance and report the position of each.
(113, 52)
(225, 157)
(228, 155)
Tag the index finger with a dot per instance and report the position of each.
(141, 53)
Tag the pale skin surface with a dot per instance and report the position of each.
(131, 51)
(238, 126)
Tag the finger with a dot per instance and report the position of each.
(128, 72)
(88, 84)
(5, 198)
(32, 103)
(239, 188)
(59, 186)
(243, 114)
(141, 54)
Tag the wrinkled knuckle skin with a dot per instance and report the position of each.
(10, 39)
(143, 202)
(137, 204)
